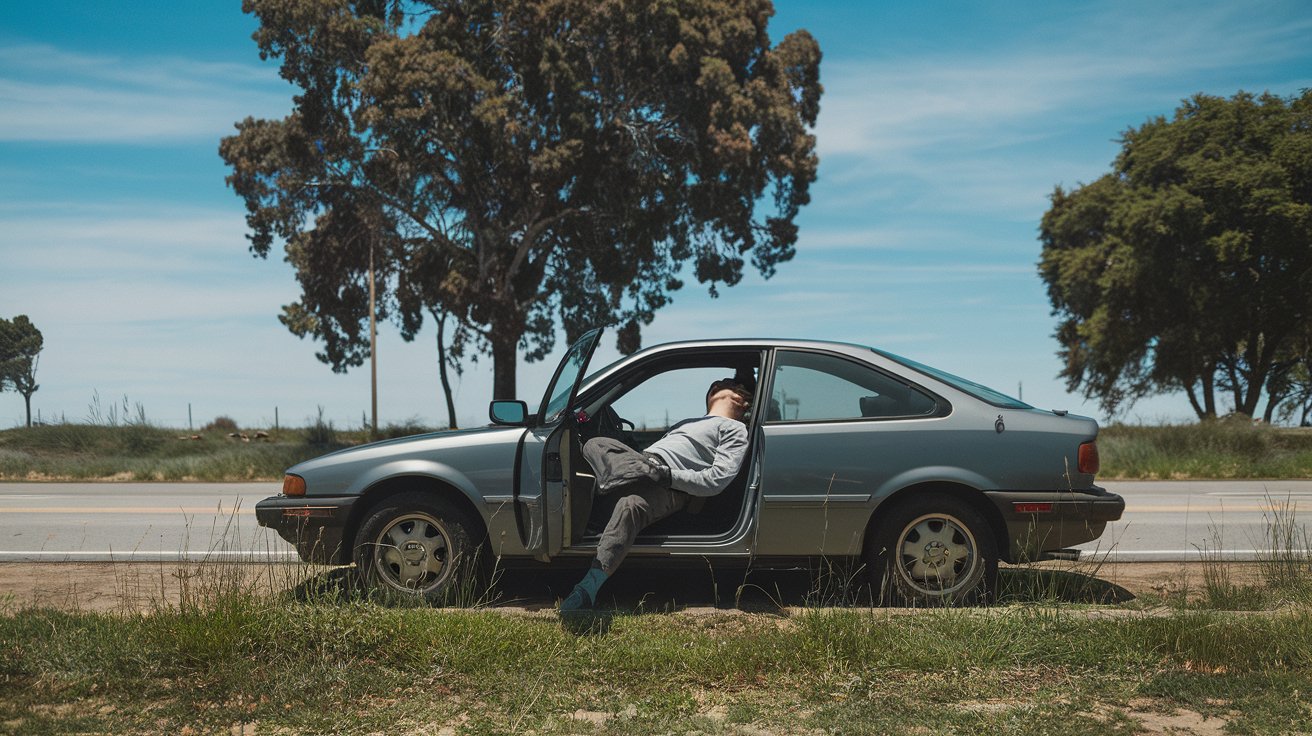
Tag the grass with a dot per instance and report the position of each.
(142, 452)
(1219, 449)
(350, 667)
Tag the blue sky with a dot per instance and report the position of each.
(943, 129)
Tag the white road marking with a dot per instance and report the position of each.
(1190, 555)
(128, 510)
(140, 556)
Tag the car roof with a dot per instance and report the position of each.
(756, 342)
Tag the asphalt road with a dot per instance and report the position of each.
(96, 522)
(1164, 521)
(1187, 520)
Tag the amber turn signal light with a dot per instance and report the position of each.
(294, 485)
(1089, 458)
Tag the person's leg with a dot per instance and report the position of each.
(634, 512)
(646, 505)
(617, 466)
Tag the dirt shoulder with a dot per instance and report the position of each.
(144, 586)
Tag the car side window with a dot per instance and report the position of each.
(811, 387)
(661, 401)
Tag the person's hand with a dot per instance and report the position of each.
(659, 472)
(739, 399)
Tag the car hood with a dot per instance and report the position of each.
(433, 445)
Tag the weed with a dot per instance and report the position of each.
(321, 433)
(1286, 563)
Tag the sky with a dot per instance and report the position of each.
(944, 128)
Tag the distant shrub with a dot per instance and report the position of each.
(405, 429)
(221, 424)
(321, 433)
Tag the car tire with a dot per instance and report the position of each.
(416, 546)
(932, 549)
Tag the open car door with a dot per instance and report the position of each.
(540, 506)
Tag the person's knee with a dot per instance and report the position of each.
(633, 508)
(603, 445)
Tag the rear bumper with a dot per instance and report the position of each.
(316, 526)
(1039, 522)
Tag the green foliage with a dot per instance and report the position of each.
(20, 346)
(517, 163)
(1185, 268)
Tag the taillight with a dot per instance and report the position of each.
(1032, 508)
(294, 485)
(1089, 458)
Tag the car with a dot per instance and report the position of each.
(926, 479)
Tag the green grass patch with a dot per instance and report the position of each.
(1220, 449)
(358, 667)
(144, 452)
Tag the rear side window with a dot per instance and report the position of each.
(979, 391)
(812, 387)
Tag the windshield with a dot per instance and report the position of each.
(979, 391)
(562, 386)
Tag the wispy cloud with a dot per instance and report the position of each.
(49, 94)
(883, 108)
(972, 130)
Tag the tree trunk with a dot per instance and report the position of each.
(1209, 395)
(441, 371)
(505, 356)
(27, 399)
(1193, 402)
(1236, 393)
(1271, 404)
(1253, 391)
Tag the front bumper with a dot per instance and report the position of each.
(1047, 521)
(316, 526)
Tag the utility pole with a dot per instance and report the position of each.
(373, 347)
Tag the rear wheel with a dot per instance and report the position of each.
(417, 546)
(933, 549)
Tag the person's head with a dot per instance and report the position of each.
(728, 397)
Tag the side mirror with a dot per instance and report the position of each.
(513, 413)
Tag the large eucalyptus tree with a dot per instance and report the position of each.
(523, 165)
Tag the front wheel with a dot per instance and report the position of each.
(933, 549)
(419, 547)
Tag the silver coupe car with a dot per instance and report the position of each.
(928, 479)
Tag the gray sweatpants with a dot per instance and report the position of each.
(641, 501)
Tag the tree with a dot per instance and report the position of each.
(1292, 383)
(20, 346)
(526, 161)
(1189, 266)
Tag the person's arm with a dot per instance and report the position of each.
(730, 450)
